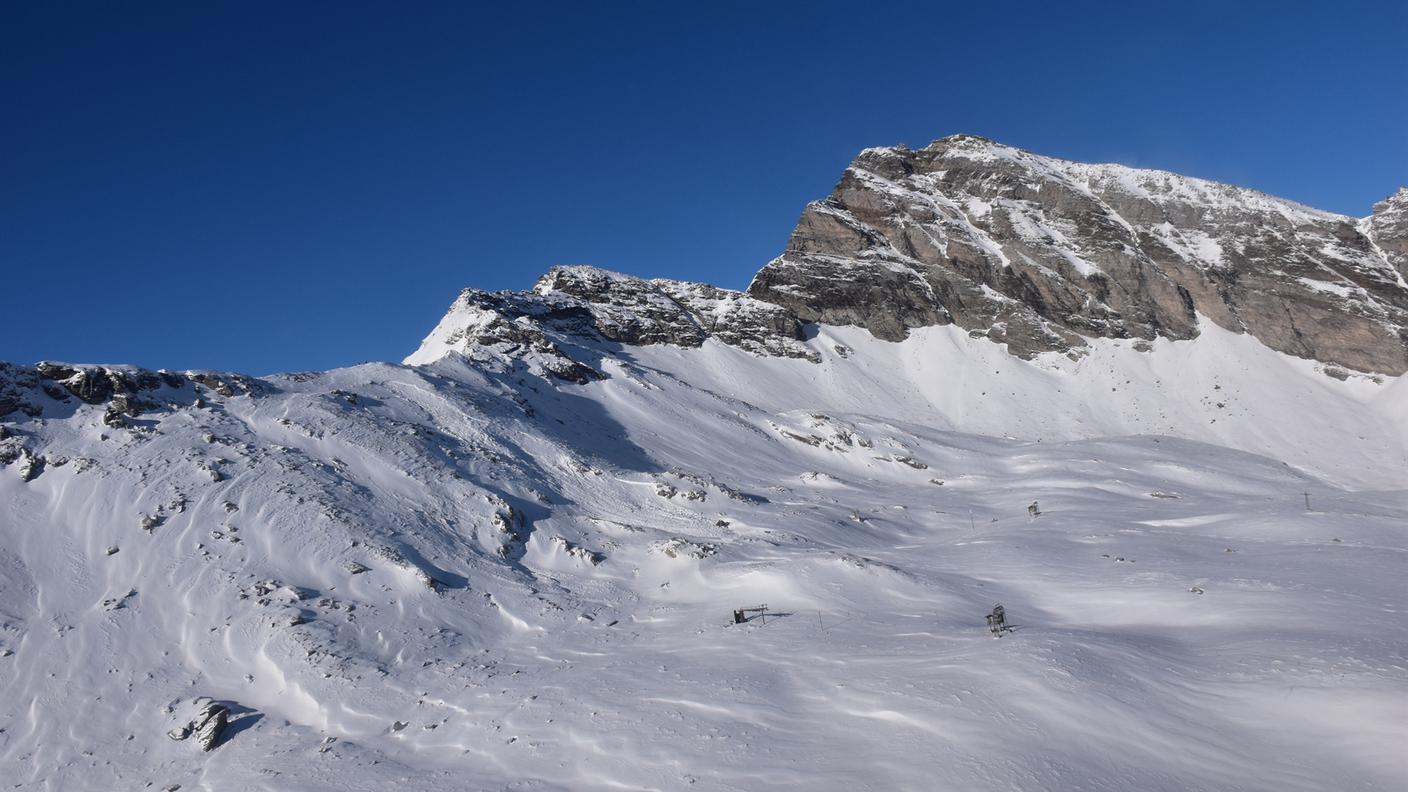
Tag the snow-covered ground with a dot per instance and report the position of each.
(453, 577)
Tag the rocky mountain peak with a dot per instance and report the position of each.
(1037, 253)
(1395, 204)
(1041, 253)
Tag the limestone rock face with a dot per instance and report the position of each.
(1388, 227)
(1040, 253)
(736, 319)
(570, 307)
(619, 307)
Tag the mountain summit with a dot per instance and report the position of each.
(1042, 254)
(1035, 253)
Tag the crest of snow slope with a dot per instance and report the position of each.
(477, 574)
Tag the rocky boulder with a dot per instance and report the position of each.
(203, 720)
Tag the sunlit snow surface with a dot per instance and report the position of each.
(596, 653)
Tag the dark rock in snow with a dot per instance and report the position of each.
(209, 729)
(31, 465)
(17, 385)
(207, 725)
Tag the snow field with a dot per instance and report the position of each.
(469, 578)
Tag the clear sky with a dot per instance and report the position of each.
(270, 186)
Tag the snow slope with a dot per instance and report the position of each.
(467, 575)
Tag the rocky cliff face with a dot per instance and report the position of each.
(1041, 253)
(1388, 228)
(570, 306)
(1036, 253)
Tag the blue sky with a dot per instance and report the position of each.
(281, 186)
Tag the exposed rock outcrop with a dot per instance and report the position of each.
(573, 305)
(1039, 252)
(125, 390)
(206, 726)
(1388, 227)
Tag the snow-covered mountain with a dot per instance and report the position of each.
(1041, 253)
(511, 562)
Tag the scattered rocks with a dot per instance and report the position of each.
(267, 592)
(864, 562)
(739, 495)
(811, 440)
(511, 525)
(678, 547)
(226, 385)
(577, 551)
(118, 603)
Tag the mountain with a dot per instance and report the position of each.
(1041, 253)
(512, 561)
